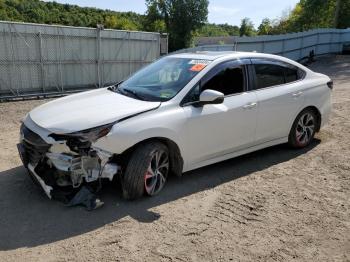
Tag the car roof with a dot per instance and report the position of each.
(214, 55)
(205, 55)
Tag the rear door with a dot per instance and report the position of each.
(280, 97)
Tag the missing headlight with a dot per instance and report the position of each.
(80, 142)
(91, 134)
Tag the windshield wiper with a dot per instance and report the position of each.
(115, 87)
(125, 91)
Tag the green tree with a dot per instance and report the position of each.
(232, 30)
(36, 11)
(181, 18)
(152, 16)
(344, 14)
(158, 26)
(265, 27)
(124, 23)
(310, 14)
(111, 21)
(211, 30)
(247, 27)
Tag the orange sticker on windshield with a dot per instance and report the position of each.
(198, 67)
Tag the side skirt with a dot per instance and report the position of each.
(236, 153)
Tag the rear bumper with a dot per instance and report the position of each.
(326, 111)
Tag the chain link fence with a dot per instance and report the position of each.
(37, 60)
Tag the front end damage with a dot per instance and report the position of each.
(68, 164)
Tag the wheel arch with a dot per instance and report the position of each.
(176, 160)
(317, 113)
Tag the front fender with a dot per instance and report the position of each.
(119, 142)
(161, 123)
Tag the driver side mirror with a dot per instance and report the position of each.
(211, 97)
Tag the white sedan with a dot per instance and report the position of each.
(180, 113)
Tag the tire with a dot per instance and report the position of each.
(303, 129)
(147, 171)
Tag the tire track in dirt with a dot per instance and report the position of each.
(231, 208)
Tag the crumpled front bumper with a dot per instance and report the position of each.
(47, 189)
(55, 167)
(31, 171)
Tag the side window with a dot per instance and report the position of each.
(275, 73)
(292, 74)
(301, 74)
(228, 80)
(193, 95)
(269, 75)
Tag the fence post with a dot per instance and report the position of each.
(317, 43)
(12, 67)
(59, 51)
(263, 47)
(301, 46)
(129, 53)
(42, 71)
(331, 43)
(98, 54)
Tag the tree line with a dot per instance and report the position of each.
(182, 19)
(36, 11)
(306, 15)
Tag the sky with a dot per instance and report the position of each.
(220, 11)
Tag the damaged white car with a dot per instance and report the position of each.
(180, 113)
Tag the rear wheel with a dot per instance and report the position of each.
(147, 171)
(303, 129)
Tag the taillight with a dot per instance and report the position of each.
(330, 84)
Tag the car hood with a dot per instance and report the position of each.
(87, 110)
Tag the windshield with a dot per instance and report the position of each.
(162, 80)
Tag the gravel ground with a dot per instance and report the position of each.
(276, 204)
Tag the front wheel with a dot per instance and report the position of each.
(303, 129)
(147, 171)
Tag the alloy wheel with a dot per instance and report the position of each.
(157, 172)
(305, 128)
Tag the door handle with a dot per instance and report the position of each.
(297, 94)
(250, 106)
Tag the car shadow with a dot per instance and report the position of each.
(29, 219)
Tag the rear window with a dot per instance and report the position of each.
(269, 75)
(291, 74)
(275, 73)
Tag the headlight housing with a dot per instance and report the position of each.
(88, 135)
(93, 134)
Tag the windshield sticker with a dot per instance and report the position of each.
(198, 64)
(198, 67)
(166, 94)
(199, 61)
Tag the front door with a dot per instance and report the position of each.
(215, 130)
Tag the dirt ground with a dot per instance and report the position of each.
(276, 204)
